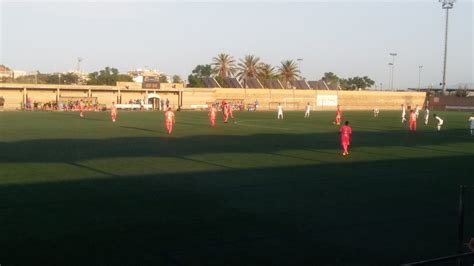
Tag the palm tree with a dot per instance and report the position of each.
(288, 71)
(248, 67)
(265, 71)
(223, 65)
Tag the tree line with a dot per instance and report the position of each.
(108, 76)
(224, 65)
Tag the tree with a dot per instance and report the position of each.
(462, 91)
(288, 71)
(265, 71)
(30, 79)
(177, 79)
(355, 83)
(163, 78)
(330, 78)
(223, 65)
(53, 78)
(200, 71)
(248, 68)
(107, 76)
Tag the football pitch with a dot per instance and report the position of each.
(261, 191)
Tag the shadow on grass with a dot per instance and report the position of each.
(70, 150)
(366, 213)
(144, 129)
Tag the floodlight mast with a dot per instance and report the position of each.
(446, 4)
(393, 67)
(419, 76)
(79, 60)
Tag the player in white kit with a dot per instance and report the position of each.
(427, 116)
(471, 120)
(280, 111)
(307, 110)
(376, 112)
(440, 121)
(404, 113)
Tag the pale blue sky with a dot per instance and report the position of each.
(348, 38)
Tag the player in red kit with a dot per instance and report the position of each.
(225, 111)
(346, 132)
(169, 120)
(113, 112)
(212, 115)
(229, 112)
(338, 115)
(412, 121)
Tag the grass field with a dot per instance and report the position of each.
(260, 192)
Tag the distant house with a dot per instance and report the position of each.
(140, 75)
(5, 72)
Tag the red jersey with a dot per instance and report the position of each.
(413, 117)
(346, 132)
(212, 112)
(229, 109)
(338, 113)
(169, 116)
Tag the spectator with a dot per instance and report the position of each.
(167, 103)
(28, 103)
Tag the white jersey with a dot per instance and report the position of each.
(440, 121)
(280, 112)
(404, 111)
(308, 109)
(471, 120)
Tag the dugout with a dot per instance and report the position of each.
(153, 99)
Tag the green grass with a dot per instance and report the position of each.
(260, 192)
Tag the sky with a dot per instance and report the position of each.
(349, 38)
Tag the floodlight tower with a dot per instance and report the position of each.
(393, 67)
(79, 60)
(446, 4)
(419, 76)
(299, 60)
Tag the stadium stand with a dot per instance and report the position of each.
(210, 82)
(322, 85)
(253, 83)
(273, 84)
(300, 84)
(232, 83)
